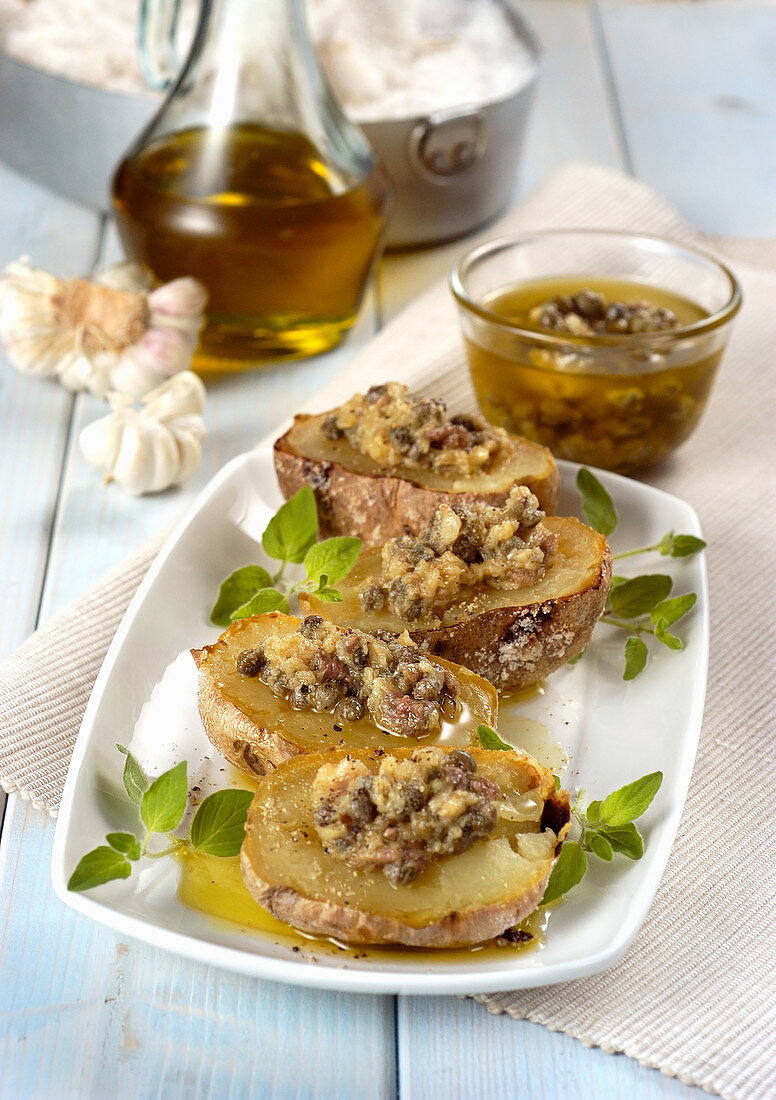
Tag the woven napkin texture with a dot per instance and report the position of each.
(695, 996)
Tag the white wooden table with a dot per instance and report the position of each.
(680, 93)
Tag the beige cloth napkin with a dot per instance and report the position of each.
(695, 996)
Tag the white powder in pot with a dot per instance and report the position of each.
(385, 58)
(91, 41)
(400, 58)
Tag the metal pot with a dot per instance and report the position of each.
(452, 170)
(66, 135)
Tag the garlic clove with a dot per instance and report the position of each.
(127, 276)
(189, 443)
(81, 372)
(144, 452)
(100, 442)
(147, 458)
(160, 353)
(182, 394)
(178, 298)
(133, 375)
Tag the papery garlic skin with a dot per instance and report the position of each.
(28, 327)
(111, 334)
(154, 447)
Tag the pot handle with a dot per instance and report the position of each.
(445, 146)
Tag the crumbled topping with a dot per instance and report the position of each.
(429, 805)
(463, 549)
(322, 668)
(587, 313)
(395, 428)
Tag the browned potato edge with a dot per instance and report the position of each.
(378, 507)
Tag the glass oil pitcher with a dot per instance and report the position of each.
(251, 179)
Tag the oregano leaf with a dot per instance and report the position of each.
(293, 529)
(98, 866)
(567, 872)
(639, 595)
(629, 802)
(126, 843)
(625, 839)
(218, 827)
(636, 654)
(329, 595)
(164, 803)
(135, 779)
(670, 611)
(238, 588)
(680, 546)
(597, 504)
(265, 600)
(600, 846)
(593, 812)
(668, 640)
(333, 557)
(489, 739)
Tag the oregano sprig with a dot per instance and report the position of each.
(640, 605)
(605, 827)
(218, 826)
(290, 538)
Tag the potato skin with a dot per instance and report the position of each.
(253, 749)
(513, 647)
(378, 507)
(325, 918)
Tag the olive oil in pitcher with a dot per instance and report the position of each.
(279, 211)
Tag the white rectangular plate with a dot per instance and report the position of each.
(612, 732)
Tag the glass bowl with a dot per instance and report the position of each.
(621, 400)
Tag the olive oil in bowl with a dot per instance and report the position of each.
(601, 345)
(617, 406)
(283, 243)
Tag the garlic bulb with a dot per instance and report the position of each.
(151, 448)
(110, 334)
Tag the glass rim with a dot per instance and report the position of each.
(707, 324)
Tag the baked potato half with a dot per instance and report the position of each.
(256, 729)
(459, 899)
(513, 638)
(356, 496)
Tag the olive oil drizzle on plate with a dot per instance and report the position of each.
(215, 887)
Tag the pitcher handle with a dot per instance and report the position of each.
(160, 60)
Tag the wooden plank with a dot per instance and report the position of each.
(572, 118)
(86, 1014)
(34, 412)
(454, 1047)
(697, 89)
